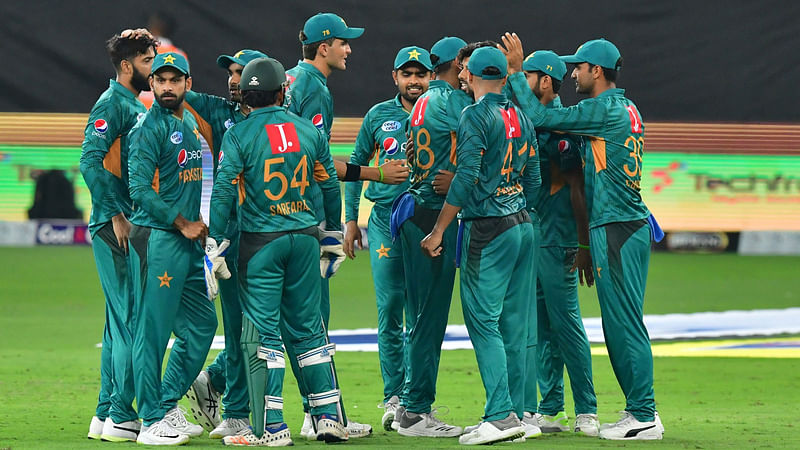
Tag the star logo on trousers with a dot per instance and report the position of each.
(164, 279)
(383, 251)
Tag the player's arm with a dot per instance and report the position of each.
(362, 153)
(205, 104)
(470, 143)
(224, 192)
(94, 149)
(571, 166)
(531, 173)
(329, 185)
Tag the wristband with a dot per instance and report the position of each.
(380, 171)
(586, 247)
(353, 173)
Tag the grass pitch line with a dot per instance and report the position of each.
(761, 322)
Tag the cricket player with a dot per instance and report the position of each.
(429, 282)
(563, 259)
(325, 45)
(269, 159)
(104, 166)
(227, 374)
(619, 229)
(382, 137)
(170, 293)
(497, 169)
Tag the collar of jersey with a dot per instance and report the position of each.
(555, 103)
(441, 84)
(493, 98)
(266, 110)
(612, 92)
(113, 84)
(313, 70)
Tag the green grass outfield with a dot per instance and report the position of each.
(51, 317)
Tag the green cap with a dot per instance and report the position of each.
(173, 60)
(599, 52)
(545, 61)
(413, 54)
(486, 57)
(262, 74)
(328, 25)
(241, 57)
(446, 49)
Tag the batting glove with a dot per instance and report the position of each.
(331, 253)
(216, 254)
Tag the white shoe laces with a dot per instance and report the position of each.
(176, 417)
(432, 419)
(161, 428)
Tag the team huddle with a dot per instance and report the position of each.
(478, 166)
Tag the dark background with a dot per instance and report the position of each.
(685, 60)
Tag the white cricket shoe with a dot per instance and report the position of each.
(176, 418)
(120, 432)
(426, 425)
(397, 414)
(95, 428)
(629, 428)
(358, 430)
(531, 425)
(658, 422)
(587, 424)
(552, 424)
(279, 436)
(507, 429)
(389, 412)
(230, 427)
(161, 433)
(307, 430)
(330, 429)
(204, 402)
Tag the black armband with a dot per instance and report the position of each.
(353, 173)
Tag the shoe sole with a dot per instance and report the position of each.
(387, 420)
(107, 438)
(412, 433)
(330, 437)
(203, 419)
(180, 443)
(499, 438)
(93, 436)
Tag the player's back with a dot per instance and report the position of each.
(433, 125)
(278, 151)
(496, 148)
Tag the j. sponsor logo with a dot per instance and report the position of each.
(185, 156)
(390, 125)
(100, 128)
(318, 121)
(390, 145)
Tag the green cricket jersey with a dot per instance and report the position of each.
(275, 152)
(558, 153)
(166, 168)
(383, 133)
(613, 169)
(497, 162)
(433, 125)
(308, 96)
(214, 115)
(104, 155)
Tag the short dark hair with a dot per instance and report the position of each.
(441, 68)
(491, 71)
(120, 48)
(310, 50)
(610, 74)
(258, 99)
(467, 50)
(556, 83)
